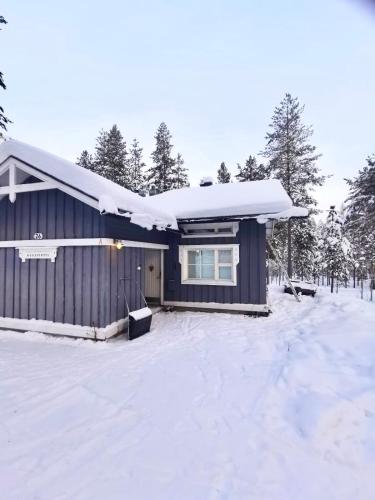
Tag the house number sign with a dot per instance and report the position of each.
(38, 236)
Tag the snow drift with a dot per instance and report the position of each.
(206, 406)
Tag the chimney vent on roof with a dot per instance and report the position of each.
(206, 181)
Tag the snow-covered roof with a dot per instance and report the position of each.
(223, 200)
(266, 199)
(111, 197)
(283, 215)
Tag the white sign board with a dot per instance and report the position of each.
(27, 253)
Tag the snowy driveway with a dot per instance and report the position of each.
(207, 407)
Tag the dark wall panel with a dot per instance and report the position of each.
(87, 272)
(251, 270)
(52, 213)
(120, 277)
(82, 287)
(58, 215)
(121, 228)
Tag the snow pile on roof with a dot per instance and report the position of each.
(240, 198)
(284, 215)
(111, 197)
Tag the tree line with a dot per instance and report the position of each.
(114, 160)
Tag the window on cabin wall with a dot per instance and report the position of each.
(201, 264)
(209, 265)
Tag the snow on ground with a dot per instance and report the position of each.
(206, 407)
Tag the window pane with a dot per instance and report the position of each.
(199, 231)
(208, 272)
(193, 256)
(225, 256)
(208, 257)
(224, 230)
(194, 271)
(225, 272)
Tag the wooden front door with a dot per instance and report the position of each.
(153, 275)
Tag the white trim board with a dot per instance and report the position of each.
(68, 330)
(162, 277)
(79, 242)
(68, 242)
(143, 244)
(50, 183)
(264, 308)
(191, 246)
(14, 187)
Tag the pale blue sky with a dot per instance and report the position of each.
(212, 70)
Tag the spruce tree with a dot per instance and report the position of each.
(293, 161)
(223, 174)
(335, 249)
(111, 156)
(135, 168)
(252, 171)
(305, 249)
(160, 175)
(180, 174)
(4, 121)
(360, 220)
(86, 160)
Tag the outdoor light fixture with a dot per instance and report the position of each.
(118, 244)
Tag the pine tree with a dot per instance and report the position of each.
(86, 160)
(180, 174)
(252, 171)
(223, 174)
(160, 175)
(335, 249)
(111, 156)
(4, 121)
(136, 167)
(317, 259)
(360, 220)
(292, 160)
(305, 255)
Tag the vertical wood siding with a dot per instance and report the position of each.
(251, 270)
(118, 227)
(83, 286)
(58, 215)
(52, 213)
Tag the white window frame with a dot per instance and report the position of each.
(183, 259)
(211, 226)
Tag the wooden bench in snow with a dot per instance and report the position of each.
(139, 322)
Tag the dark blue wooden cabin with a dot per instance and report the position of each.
(72, 245)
